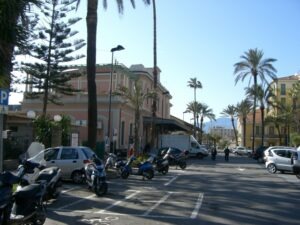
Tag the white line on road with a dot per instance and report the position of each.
(118, 202)
(198, 206)
(162, 200)
(170, 181)
(76, 202)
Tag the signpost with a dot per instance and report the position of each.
(4, 93)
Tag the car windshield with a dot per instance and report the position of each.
(89, 153)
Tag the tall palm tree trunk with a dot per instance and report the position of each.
(234, 130)
(153, 133)
(244, 131)
(91, 22)
(262, 111)
(254, 112)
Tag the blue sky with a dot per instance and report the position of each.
(202, 39)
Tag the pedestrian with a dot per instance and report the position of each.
(213, 153)
(226, 152)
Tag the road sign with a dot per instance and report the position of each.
(4, 93)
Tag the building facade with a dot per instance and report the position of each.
(281, 116)
(122, 117)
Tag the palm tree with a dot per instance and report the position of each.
(205, 112)
(294, 93)
(136, 97)
(264, 96)
(277, 122)
(194, 107)
(14, 30)
(243, 109)
(91, 22)
(231, 112)
(255, 66)
(194, 83)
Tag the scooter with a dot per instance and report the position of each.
(25, 205)
(32, 172)
(95, 176)
(176, 160)
(145, 169)
(161, 165)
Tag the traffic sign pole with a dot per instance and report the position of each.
(4, 93)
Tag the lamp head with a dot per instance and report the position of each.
(118, 48)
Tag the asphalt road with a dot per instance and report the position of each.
(207, 192)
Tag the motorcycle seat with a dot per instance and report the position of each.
(48, 173)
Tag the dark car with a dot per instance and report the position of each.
(259, 153)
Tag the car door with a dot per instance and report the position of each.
(69, 161)
(283, 159)
(51, 156)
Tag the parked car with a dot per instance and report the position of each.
(259, 153)
(296, 162)
(267, 152)
(279, 159)
(242, 151)
(71, 160)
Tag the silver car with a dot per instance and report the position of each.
(296, 163)
(279, 159)
(71, 160)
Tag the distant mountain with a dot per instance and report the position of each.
(222, 122)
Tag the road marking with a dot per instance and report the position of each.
(198, 206)
(76, 202)
(170, 181)
(118, 202)
(69, 189)
(162, 200)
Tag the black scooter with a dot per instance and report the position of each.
(25, 205)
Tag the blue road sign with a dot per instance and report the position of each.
(4, 93)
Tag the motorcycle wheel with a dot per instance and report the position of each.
(40, 217)
(101, 188)
(165, 170)
(182, 164)
(77, 177)
(124, 174)
(149, 174)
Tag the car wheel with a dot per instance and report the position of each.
(298, 175)
(77, 177)
(271, 168)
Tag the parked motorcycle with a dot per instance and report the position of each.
(176, 160)
(32, 172)
(145, 169)
(25, 205)
(95, 176)
(161, 165)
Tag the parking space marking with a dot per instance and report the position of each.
(118, 202)
(197, 206)
(170, 181)
(78, 201)
(162, 200)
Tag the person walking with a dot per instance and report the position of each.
(226, 152)
(213, 153)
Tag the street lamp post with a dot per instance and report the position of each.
(118, 48)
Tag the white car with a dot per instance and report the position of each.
(242, 151)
